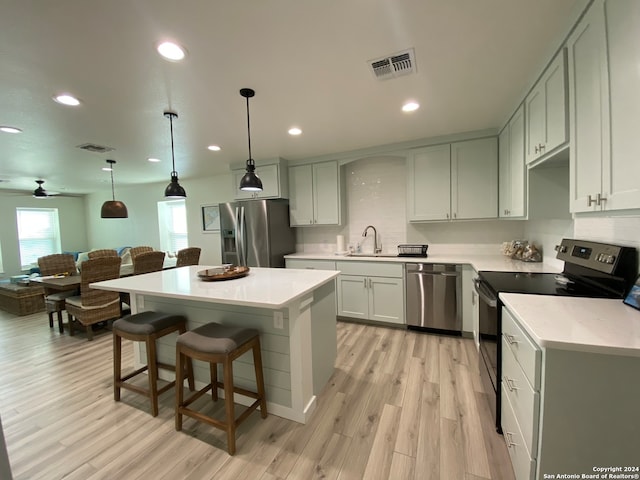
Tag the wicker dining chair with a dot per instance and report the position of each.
(93, 305)
(188, 256)
(54, 300)
(104, 252)
(145, 262)
(138, 250)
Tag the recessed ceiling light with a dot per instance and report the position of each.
(214, 148)
(153, 160)
(171, 51)
(66, 99)
(10, 130)
(410, 107)
(295, 131)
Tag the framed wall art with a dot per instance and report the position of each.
(210, 218)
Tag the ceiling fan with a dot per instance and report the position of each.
(40, 192)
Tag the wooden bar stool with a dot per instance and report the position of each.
(147, 327)
(213, 343)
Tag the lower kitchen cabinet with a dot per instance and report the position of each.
(566, 411)
(371, 291)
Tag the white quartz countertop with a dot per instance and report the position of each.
(572, 323)
(262, 287)
(498, 263)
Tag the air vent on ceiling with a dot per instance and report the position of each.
(92, 147)
(392, 66)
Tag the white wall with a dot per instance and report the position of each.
(141, 228)
(71, 214)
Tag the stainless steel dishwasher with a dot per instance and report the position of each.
(434, 296)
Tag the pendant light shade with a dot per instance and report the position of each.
(173, 190)
(113, 208)
(250, 182)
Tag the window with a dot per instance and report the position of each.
(38, 234)
(172, 220)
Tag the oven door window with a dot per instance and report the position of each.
(489, 339)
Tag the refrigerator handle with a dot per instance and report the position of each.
(236, 237)
(240, 238)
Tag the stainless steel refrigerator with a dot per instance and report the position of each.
(256, 233)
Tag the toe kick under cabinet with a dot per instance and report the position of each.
(371, 291)
(567, 411)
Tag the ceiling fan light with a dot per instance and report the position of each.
(40, 192)
(114, 209)
(174, 189)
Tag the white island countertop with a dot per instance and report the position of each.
(581, 324)
(262, 287)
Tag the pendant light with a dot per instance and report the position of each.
(173, 190)
(250, 182)
(113, 208)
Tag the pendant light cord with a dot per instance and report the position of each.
(173, 158)
(249, 129)
(113, 192)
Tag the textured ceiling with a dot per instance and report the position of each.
(307, 62)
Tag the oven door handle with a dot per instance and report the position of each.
(484, 293)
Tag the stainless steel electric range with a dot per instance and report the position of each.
(591, 269)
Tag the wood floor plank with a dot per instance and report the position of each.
(408, 428)
(381, 415)
(379, 463)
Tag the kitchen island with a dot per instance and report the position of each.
(294, 310)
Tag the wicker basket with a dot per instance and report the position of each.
(21, 300)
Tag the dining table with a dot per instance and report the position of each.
(63, 282)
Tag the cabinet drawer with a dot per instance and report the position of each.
(523, 398)
(524, 467)
(310, 264)
(526, 353)
(371, 269)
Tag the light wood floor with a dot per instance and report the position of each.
(400, 405)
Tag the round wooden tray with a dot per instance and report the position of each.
(216, 274)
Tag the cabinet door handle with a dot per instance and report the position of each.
(455, 215)
(447, 216)
(511, 385)
(509, 439)
(536, 149)
(511, 340)
(600, 199)
(370, 283)
(365, 282)
(591, 200)
(542, 147)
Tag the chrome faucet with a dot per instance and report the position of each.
(376, 247)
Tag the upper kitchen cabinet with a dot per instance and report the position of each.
(512, 172)
(474, 179)
(457, 181)
(429, 184)
(546, 111)
(314, 194)
(273, 174)
(621, 176)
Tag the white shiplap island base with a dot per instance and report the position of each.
(298, 358)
